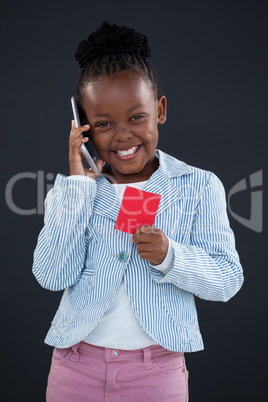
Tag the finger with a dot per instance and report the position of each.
(76, 145)
(73, 125)
(147, 255)
(145, 238)
(78, 131)
(142, 229)
(145, 229)
(89, 172)
(100, 164)
(145, 248)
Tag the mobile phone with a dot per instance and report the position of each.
(84, 150)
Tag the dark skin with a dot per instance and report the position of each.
(122, 112)
(152, 244)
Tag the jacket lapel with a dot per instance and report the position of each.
(106, 202)
(160, 184)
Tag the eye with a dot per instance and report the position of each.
(105, 124)
(137, 117)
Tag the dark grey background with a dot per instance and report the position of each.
(211, 57)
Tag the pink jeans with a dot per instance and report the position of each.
(88, 373)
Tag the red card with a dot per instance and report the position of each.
(138, 208)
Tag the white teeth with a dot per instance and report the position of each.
(128, 152)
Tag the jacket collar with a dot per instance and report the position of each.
(106, 202)
(171, 166)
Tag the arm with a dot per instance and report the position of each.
(61, 248)
(209, 267)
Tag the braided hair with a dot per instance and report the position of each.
(111, 49)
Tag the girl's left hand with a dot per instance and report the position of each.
(152, 244)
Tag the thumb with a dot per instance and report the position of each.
(99, 164)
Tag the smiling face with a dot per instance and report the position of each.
(124, 115)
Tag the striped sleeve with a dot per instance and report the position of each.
(61, 247)
(209, 267)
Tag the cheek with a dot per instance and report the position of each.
(147, 131)
(100, 141)
(152, 133)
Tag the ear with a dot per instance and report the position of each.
(161, 110)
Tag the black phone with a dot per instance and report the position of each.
(87, 148)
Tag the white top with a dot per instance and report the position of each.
(119, 328)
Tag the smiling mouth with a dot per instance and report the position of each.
(127, 152)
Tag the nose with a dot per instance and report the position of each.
(122, 134)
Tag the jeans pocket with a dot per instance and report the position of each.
(169, 362)
(59, 355)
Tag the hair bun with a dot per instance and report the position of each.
(112, 39)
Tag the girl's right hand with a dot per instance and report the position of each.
(75, 153)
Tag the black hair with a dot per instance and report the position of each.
(111, 49)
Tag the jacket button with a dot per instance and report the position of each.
(123, 256)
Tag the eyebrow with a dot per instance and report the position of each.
(129, 110)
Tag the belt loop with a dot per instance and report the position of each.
(147, 358)
(75, 355)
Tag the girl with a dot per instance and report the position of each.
(128, 315)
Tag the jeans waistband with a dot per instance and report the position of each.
(112, 354)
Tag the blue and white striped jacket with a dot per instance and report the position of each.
(76, 248)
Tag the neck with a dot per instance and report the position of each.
(144, 174)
